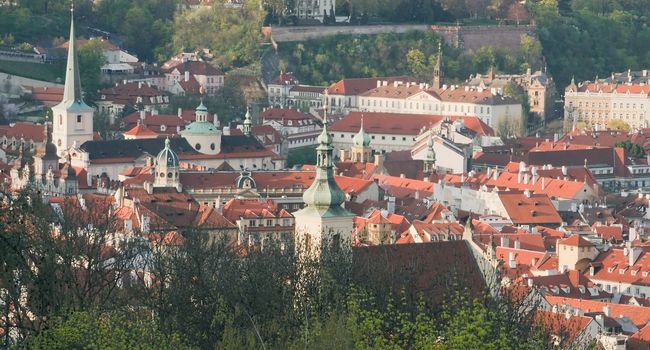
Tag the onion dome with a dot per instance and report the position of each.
(361, 139)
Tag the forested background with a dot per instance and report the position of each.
(581, 38)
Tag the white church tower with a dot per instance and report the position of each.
(323, 224)
(72, 118)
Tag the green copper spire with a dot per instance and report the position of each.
(324, 194)
(361, 139)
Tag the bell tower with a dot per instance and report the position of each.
(72, 117)
(323, 225)
(361, 151)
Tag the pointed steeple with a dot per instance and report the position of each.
(247, 122)
(324, 194)
(437, 69)
(72, 90)
(361, 139)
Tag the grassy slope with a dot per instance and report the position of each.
(47, 72)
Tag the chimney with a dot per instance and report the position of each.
(378, 83)
(505, 242)
(402, 176)
(526, 178)
(142, 114)
(495, 174)
(529, 282)
(391, 205)
(543, 183)
(512, 263)
(139, 85)
(180, 112)
(565, 171)
(634, 254)
(379, 160)
(187, 75)
(607, 310)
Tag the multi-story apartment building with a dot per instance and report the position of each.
(538, 85)
(286, 91)
(596, 103)
(315, 9)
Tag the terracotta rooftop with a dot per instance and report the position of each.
(356, 86)
(576, 241)
(533, 209)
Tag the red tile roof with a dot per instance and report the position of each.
(571, 284)
(141, 130)
(403, 187)
(576, 241)
(356, 86)
(194, 67)
(639, 315)
(615, 266)
(285, 79)
(129, 92)
(46, 95)
(609, 233)
(432, 232)
(26, 130)
(106, 45)
(533, 209)
(614, 88)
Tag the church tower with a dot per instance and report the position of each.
(429, 160)
(45, 157)
(361, 151)
(437, 69)
(167, 168)
(323, 225)
(72, 118)
(248, 123)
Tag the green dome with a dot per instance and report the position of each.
(361, 139)
(324, 193)
(201, 107)
(200, 128)
(325, 138)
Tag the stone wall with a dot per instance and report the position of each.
(475, 37)
(281, 34)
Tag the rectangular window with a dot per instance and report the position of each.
(78, 119)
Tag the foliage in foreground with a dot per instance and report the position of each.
(81, 295)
